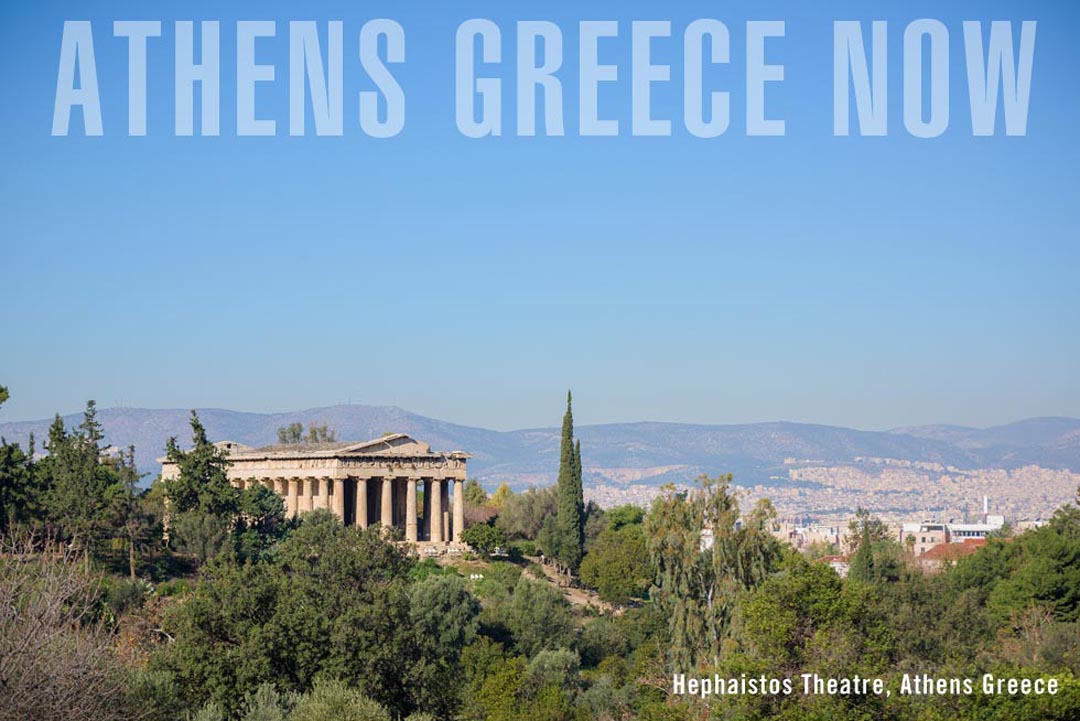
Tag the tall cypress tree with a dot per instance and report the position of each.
(577, 474)
(862, 564)
(571, 509)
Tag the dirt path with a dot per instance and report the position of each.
(576, 596)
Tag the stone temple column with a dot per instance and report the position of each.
(436, 511)
(387, 516)
(339, 498)
(410, 511)
(398, 504)
(361, 502)
(281, 487)
(446, 509)
(308, 501)
(326, 485)
(292, 503)
(425, 532)
(459, 509)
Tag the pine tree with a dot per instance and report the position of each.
(79, 486)
(202, 483)
(570, 518)
(19, 497)
(127, 509)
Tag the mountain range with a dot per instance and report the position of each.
(643, 452)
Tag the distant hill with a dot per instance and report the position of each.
(1048, 442)
(644, 452)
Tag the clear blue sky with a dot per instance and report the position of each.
(870, 282)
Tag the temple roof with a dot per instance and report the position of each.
(392, 444)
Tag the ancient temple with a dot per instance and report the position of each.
(377, 481)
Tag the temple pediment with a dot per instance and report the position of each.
(392, 444)
(233, 447)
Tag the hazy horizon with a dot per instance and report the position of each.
(580, 418)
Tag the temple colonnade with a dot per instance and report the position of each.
(394, 480)
(392, 501)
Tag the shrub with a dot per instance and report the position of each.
(265, 704)
(484, 537)
(524, 548)
(430, 567)
(173, 587)
(539, 618)
(500, 575)
(210, 712)
(334, 701)
(56, 661)
(618, 565)
(123, 596)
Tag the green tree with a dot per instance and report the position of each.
(127, 513)
(202, 535)
(266, 704)
(862, 523)
(20, 496)
(202, 482)
(552, 668)
(618, 565)
(1040, 568)
(627, 515)
(539, 617)
(569, 544)
(293, 434)
(595, 523)
(523, 514)
(804, 619)
(210, 712)
(549, 539)
(484, 537)
(444, 616)
(21, 499)
(331, 602)
(862, 565)
(705, 556)
(80, 487)
(501, 496)
(261, 522)
(781, 618)
(336, 701)
(495, 696)
(321, 434)
(475, 495)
